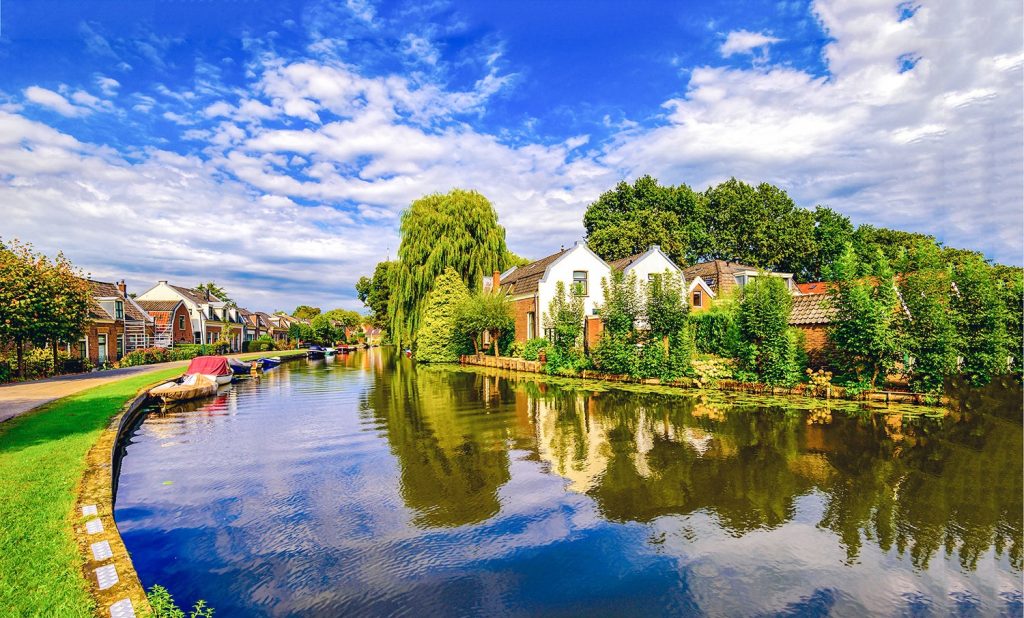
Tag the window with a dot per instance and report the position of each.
(101, 341)
(531, 325)
(181, 322)
(83, 348)
(579, 282)
(120, 346)
(651, 277)
(698, 298)
(118, 310)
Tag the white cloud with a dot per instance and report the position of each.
(54, 101)
(745, 42)
(108, 85)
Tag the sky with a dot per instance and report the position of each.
(272, 146)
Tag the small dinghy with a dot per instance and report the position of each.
(238, 367)
(269, 363)
(191, 387)
(214, 368)
(315, 352)
(330, 351)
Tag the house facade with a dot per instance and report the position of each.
(116, 325)
(211, 318)
(813, 314)
(171, 322)
(723, 278)
(532, 287)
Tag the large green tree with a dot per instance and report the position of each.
(929, 324)
(457, 230)
(215, 290)
(485, 312)
(864, 333)
(981, 320)
(375, 293)
(767, 349)
(440, 340)
(305, 312)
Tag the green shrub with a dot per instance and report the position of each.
(147, 356)
(532, 348)
(164, 606)
(616, 354)
(188, 351)
(714, 331)
(515, 350)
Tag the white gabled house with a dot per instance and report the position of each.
(532, 287)
(211, 318)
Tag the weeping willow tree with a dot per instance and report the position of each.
(457, 230)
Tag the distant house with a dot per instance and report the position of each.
(532, 287)
(654, 262)
(723, 277)
(171, 322)
(256, 325)
(813, 314)
(211, 318)
(277, 327)
(116, 325)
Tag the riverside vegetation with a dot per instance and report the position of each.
(906, 307)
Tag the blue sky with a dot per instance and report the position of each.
(271, 146)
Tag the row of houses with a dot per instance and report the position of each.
(166, 315)
(533, 286)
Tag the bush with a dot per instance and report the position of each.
(5, 371)
(616, 354)
(565, 363)
(147, 356)
(515, 350)
(188, 351)
(164, 606)
(262, 344)
(532, 348)
(714, 331)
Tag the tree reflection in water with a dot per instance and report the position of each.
(914, 484)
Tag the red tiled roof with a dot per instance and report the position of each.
(814, 287)
(527, 278)
(158, 305)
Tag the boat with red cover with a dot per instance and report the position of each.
(214, 368)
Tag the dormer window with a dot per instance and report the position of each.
(698, 298)
(118, 309)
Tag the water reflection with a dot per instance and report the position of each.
(459, 491)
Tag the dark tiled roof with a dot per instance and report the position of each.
(527, 278)
(195, 296)
(623, 263)
(811, 309)
(102, 289)
(158, 305)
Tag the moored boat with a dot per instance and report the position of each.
(330, 351)
(214, 368)
(269, 363)
(238, 367)
(190, 387)
(315, 352)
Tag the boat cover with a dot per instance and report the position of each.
(210, 366)
(238, 366)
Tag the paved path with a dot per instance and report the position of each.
(17, 399)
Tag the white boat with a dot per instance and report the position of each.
(214, 368)
(191, 387)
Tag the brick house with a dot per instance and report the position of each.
(116, 325)
(277, 328)
(171, 322)
(724, 278)
(812, 314)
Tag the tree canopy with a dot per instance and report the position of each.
(440, 340)
(457, 230)
(215, 290)
(305, 312)
(375, 293)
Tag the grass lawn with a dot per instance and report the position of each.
(42, 457)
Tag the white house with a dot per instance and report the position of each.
(211, 317)
(647, 264)
(532, 287)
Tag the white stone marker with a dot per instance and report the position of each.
(89, 510)
(106, 576)
(122, 609)
(94, 526)
(101, 551)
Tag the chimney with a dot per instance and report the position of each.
(207, 291)
(164, 282)
(122, 288)
(496, 281)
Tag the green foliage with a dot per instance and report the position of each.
(305, 312)
(565, 318)
(767, 350)
(215, 291)
(439, 340)
(981, 321)
(864, 333)
(263, 343)
(1011, 291)
(458, 230)
(489, 312)
(164, 606)
(532, 348)
(324, 331)
(715, 331)
(928, 326)
(146, 356)
(622, 306)
(666, 309)
(375, 293)
(616, 353)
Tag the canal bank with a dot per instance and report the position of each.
(48, 457)
(801, 390)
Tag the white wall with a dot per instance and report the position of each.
(577, 258)
(653, 262)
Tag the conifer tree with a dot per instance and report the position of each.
(439, 339)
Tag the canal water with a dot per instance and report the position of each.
(368, 485)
